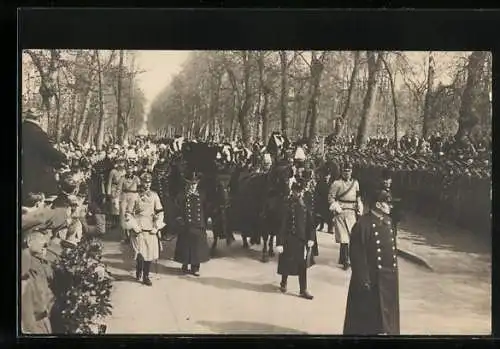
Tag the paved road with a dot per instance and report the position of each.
(238, 294)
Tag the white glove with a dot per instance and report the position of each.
(310, 243)
(279, 249)
(335, 207)
(360, 208)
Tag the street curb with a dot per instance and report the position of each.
(414, 258)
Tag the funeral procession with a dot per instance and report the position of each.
(255, 192)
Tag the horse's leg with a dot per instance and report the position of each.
(271, 243)
(213, 249)
(265, 257)
(244, 237)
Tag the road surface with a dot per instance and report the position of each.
(238, 294)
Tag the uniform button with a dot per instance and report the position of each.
(394, 247)
(392, 231)
(392, 239)
(379, 266)
(378, 242)
(378, 250)
(379, 258)
(376, 233)
(394, 265)
(373, 225)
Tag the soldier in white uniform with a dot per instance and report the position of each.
(345, 203)
(147, 212)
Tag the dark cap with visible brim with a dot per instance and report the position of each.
(383, 196)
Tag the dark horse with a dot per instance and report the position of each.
(258, 204)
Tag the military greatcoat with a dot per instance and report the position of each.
(147, 211)
(296, 230)
(192, 245)
(373, 299)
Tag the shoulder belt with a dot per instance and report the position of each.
(346, 191)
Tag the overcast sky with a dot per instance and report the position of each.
(160, 67)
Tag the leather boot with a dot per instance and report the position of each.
(145, 278)
(139, 267)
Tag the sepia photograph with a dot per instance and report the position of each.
(255, 192)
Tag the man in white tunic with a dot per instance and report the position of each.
(147, 212)
(345, 203)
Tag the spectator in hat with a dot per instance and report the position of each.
(373, 298)
(192, 247)
(39, 158)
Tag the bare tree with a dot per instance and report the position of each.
(375, 60)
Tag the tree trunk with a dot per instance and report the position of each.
(468, 117)
(57, 98)
(284, 93)
(120, 122)
(47, 88)
(317, 67)
(100, 125)
(392, 78)
(243, 112)
(374, 65)
(352, 82)
(428, 96)
(85, 101)
(265, 116)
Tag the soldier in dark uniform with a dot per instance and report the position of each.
(160, 185)
(373, 299)
(192, 246)
(295, 241)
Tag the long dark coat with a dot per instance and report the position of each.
(39, 159)
(321, 200)
(296, 230)
(192, 245)
(373, 309)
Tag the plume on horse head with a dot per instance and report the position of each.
(277, 144)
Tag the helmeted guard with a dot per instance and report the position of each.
(373, 298)
(396, 211)
(345, 203)
(191, 248)
(295, 241)
(147, 212)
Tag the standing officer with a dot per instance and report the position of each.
(128, 188)
(192, 246)
(148, 214)
(344, 199)
(295, 241)
(373, 299)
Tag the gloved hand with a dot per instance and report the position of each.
(279, 249)
(310, 243)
